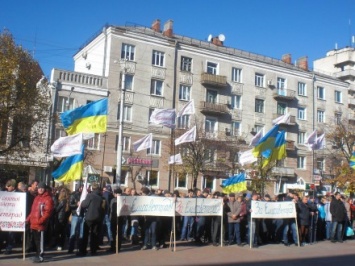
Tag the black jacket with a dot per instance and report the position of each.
(338, 211)
(95, 207)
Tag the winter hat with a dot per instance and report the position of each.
(42, 185)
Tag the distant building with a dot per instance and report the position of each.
(235, 92)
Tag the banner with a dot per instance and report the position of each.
(175, 159)
(164, 206)
(143, 143)
(12, 211)
(188, 136)
(273, 210)
(68, 146)
(165, 117)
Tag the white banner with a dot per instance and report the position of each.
(164, 206)
(143, 143)
(247, 157)
(273, 210)
(188, 109)
(165, 117)
(175, 159)
(12, 211)
(188, 136)
(68, 146)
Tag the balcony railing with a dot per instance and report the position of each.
(79, 78)
(215, 108)
(284, 94)
(283, 171)
(215, 80)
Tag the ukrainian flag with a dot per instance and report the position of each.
(352, 161)
(70, 169)
(266, 143)
(235, 183)
(279, 151)
(90, 118)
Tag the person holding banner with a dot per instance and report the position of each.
(150, 227)
(38, 218)
(10, 236)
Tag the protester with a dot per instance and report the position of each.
(338, 211)
(235, 208)
(76, 217)
(10, 236)
(38, 218)
(62, 212)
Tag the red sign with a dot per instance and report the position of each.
(139, 161)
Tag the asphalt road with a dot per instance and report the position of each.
(322, 253)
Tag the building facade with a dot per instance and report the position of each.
(236, 93)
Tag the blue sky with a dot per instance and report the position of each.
(54, 30)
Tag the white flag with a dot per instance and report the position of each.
(143, 143)
(320, 143)
(311, 140)
(175, 159)
(247, 157)
(83, 195)
(188, 109)
(256, 138)
(68, 146)
(284, 119)
(189, 136)
(165, 117)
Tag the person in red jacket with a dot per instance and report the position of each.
(38, 218)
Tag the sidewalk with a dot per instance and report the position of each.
(321, 253)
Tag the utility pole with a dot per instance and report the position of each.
(120, 130)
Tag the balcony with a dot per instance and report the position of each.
(346, 74)
(290, 145)
(284, 94)
(214, 80)
(291, 122)
(77, 78)
(283, 171)
(213, 108)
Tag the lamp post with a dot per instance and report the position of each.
(120, 130)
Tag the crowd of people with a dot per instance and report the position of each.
(57, 218)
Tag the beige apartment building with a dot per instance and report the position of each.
(236, 93)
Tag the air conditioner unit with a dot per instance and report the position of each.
(140, 177)
(107, 169)
(269, 82)
(228, 131)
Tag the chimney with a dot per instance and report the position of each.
(168, 28)
(287, 58)
(156, 25)
(216, 41)
(303, 63)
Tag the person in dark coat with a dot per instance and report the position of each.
(95, 210)
(303, 216)
(338, 211)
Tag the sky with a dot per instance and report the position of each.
(53, 31)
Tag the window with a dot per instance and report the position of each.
(65, 104)
(184, 93)
(4, 123)
(320, 164)
(301, 113)
(126, 141)
(281, 83)
(211, 96)
(152, 178)
(186, 64)
(236, 102)
(320, 116)
(21, 131)
(208, 182)
(257, 128)
(236, 128)
(183, 122)
(127, 113)
(320, 93)
(94, 143)
(337, 118)
(181, 180)
(302, 89)
(259, 80)
(259, 106)
(128, 83)
(210, 125)
(301, 162)
(156, 87)
(127, 52)
(212, 68)
(158, 58)
(236, 75)
(59, 133)
(151, 110)
(338, 97)
(281, 108)
(155, 148)
(301, 137)
(209, 155)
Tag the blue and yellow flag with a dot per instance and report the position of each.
(90, 118)
(236, 183)
(352, 161)
(70, 169)
(279, 151)
(266, 143)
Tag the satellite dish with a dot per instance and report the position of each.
(221, 37)
(209, 37)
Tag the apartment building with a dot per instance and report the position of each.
(236, 94)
